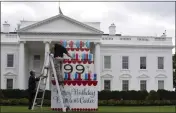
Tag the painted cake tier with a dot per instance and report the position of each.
(77, 82)
(82, 97)
(75, 44)
(80, 79)
(80, 55)
(76, 109)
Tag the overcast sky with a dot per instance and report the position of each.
(130, 18)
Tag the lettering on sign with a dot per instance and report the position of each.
(79, 68)
(76, 95)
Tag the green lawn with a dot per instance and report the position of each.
(101, 109)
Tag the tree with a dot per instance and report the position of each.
(174, 69)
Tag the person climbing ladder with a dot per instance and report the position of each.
(58, 50)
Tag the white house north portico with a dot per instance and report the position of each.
(121, 62)
(53, 30)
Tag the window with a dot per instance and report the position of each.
(160, 84)
(160, 62)
(107, 85)
(9, 84)
(107, 62)
(143, 85)
(142, 62)
(36, 57)
(36, 63)
(10, 60)
(125, 62)
(125, 85)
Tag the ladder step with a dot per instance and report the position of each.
(40, 90)
(46, 67)
(38, 105)
(43, 77)
(42, 83)
(38, 98)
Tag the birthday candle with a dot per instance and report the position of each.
(65, 43)
(71, 44)
(76, 76)
(77, 44)
(76, 56)
(81, 44)
(95, 76)
(66, 76)
(79, 76)
(69, 78)
(87, 44)
(73, 55)
(89, 76)
(89, 57)
(86, 56)
(82, 56)
(72, 76)
(86, 76)
(61, 42)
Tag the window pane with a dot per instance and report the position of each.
(125, 62)
(107, 85)
(143, 85)
(36, 57)
(107, 62)
(160, 84)
(10, 58)
(125, 84)
(160, 62)
(142, 62)
(9, 84)
(36, 62)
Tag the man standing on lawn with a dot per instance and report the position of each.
(32, 88)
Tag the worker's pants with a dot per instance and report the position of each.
(58, 62)
(31, 99)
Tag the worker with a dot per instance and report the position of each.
(32, 87)
(58, 50)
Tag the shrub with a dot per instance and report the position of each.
(111, 102)
(102, 95)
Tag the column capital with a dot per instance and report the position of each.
(47, 41)
(21, 41)
(97, 43)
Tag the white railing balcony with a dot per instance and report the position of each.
(138, 40)
(9, 38)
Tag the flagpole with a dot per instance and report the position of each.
(59, 6)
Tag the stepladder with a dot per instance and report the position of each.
(49, 70)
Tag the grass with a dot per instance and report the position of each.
(101, 109)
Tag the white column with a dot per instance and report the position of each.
(47, 49)
(21, 77)
(97, 63)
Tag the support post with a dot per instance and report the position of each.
(97, 63)
(22, 74)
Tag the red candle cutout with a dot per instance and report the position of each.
(76, 56)
(86, 56)
(79, 76)
(69, 78)
(89, 76)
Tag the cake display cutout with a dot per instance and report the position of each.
(80, 79)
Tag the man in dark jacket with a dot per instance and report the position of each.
(32, 88)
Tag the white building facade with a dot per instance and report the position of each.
(121, 62)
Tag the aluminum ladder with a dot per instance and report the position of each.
(60, 88)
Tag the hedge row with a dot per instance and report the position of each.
(24, 101)
(103, 95)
